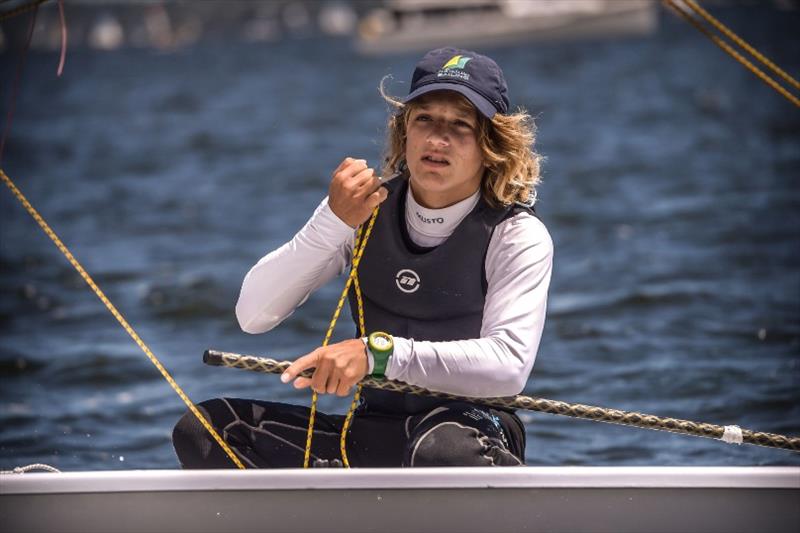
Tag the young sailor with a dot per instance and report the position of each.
(454, 281)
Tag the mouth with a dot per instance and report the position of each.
(435, 160)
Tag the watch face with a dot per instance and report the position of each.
(381, 343)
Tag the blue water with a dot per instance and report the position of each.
(670, 189)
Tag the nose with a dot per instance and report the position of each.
(438, 135)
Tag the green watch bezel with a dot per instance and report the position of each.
(380, 355)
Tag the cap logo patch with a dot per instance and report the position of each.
(457, 61)
(454, 68)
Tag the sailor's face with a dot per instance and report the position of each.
(442, 151)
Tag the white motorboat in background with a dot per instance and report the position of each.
(418, 25)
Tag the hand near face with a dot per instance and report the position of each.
(337, 368)
(354, 192)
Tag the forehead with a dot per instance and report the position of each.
(446, 101)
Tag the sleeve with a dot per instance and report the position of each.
(283, 279)
(519, 263)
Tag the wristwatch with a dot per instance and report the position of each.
(381, 346)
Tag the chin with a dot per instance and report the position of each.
(430, 182)
(430, 174)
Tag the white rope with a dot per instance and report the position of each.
(732, 435)
(28, 468)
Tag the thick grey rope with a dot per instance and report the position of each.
(30, 468)
(729, 434)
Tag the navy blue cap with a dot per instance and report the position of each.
(472, 75)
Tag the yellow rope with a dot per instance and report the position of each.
(733, 53)
(741, 42)
(362, 332)
(124, 323)
(358, 251)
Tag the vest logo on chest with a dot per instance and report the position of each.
(407, 280)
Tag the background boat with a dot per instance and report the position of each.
(420, 25)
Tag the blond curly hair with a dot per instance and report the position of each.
(511, 166)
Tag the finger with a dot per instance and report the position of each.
(302, 383)
(343, 389)
(354, 167)
(307, 361)
(333, 384)
(319, 380)
(366, 181)
(346, 161)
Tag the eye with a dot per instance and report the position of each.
(463, 124)
(422, 117)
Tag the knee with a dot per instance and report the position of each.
(448, 444)
(192, 442)
(186, 429)
(187, 440)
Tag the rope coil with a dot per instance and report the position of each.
(543, 405)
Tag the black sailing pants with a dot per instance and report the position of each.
(273, 435)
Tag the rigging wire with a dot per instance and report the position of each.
(63, 38)
(121, 319)
(741, 42)
(63, 248)
(12, 98)
(732, 52)
(11, 13)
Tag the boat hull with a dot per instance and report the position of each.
(619, 499)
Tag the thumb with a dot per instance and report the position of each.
(376, 198)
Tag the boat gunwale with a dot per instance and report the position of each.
(538, 477)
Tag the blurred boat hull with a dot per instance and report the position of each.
(417, 26)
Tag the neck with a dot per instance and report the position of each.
(431, 200)
(429, 227)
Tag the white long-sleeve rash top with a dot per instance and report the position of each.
(518, 267)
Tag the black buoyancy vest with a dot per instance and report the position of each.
(428, 294)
